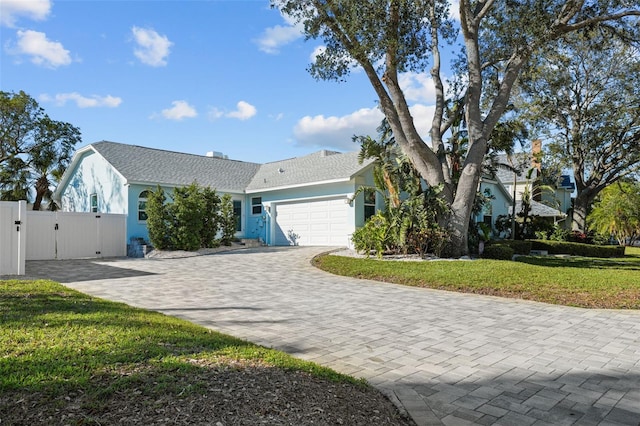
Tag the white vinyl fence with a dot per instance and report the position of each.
(68, 235)
(12, 237)
(36, 235)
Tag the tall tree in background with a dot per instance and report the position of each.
(617, 212)
(389, 37)
(585, 96)
(34, 149)
(51, 156)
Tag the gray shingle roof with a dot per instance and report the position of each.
(155, 166)
(320, 166)
(539, 209)
(521, 161)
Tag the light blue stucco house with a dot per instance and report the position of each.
(306, 200)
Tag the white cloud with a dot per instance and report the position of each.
(279, 35)
(422, 117)
(44, 52)
(11, 10)
(179, 111)
(81, 101)
(337, 132)
(418, 87)
(215, 113)
(153, 48)
(244, 111)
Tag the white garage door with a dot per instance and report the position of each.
(313, 223)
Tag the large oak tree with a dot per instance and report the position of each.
(499, 37)
(34, 149)
(585, 98)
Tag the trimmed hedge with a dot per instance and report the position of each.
(498, 251)
(577, 249)
(518, 246)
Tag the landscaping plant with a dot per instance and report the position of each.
(195, 218)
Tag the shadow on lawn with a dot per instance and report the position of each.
(630, 263)
(60, 338)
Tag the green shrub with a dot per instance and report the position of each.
(577, 249)
(518, 246)
(372, 236)
(187, 212)
(498, 251)
(227, 220)
(210, 218)
(158, 219)
(192, 220)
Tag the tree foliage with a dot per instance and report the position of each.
(34, 149)
(210, 218)
(193, 219)
(617, 212)
(187, 217)
(158, 219)
(585, 97)
(409, 222)
(228, 221)
(499, 38)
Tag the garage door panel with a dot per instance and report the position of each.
(320, 214)
(320, 227)
(300, 216)
(315, 222)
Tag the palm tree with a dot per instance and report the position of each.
(14, 180)
(51, 156)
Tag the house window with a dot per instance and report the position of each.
(93, 203)
(237, 213)
(256, 205)
(142, 205)
(369, 203)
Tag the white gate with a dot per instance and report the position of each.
(69, 235)
(12, 237)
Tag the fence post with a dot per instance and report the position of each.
(22, 236)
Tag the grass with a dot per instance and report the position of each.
(55, 340)
(612, 283)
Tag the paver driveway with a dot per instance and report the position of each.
(450, 358)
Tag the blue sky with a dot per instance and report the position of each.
(190, 76)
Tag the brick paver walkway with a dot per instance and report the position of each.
(449, 358)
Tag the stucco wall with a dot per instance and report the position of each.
(500, 205)
(93, 175)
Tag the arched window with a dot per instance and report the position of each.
(142, 206)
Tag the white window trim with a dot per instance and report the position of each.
(145, 210)
(259, 204)
(91, 206)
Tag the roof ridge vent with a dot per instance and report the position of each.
(326, 153)
(217, 154)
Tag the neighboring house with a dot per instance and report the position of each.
(555, 204)
(305, 201)
(501, 200)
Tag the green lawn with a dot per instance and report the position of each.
(56, 342)
(576, 281)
